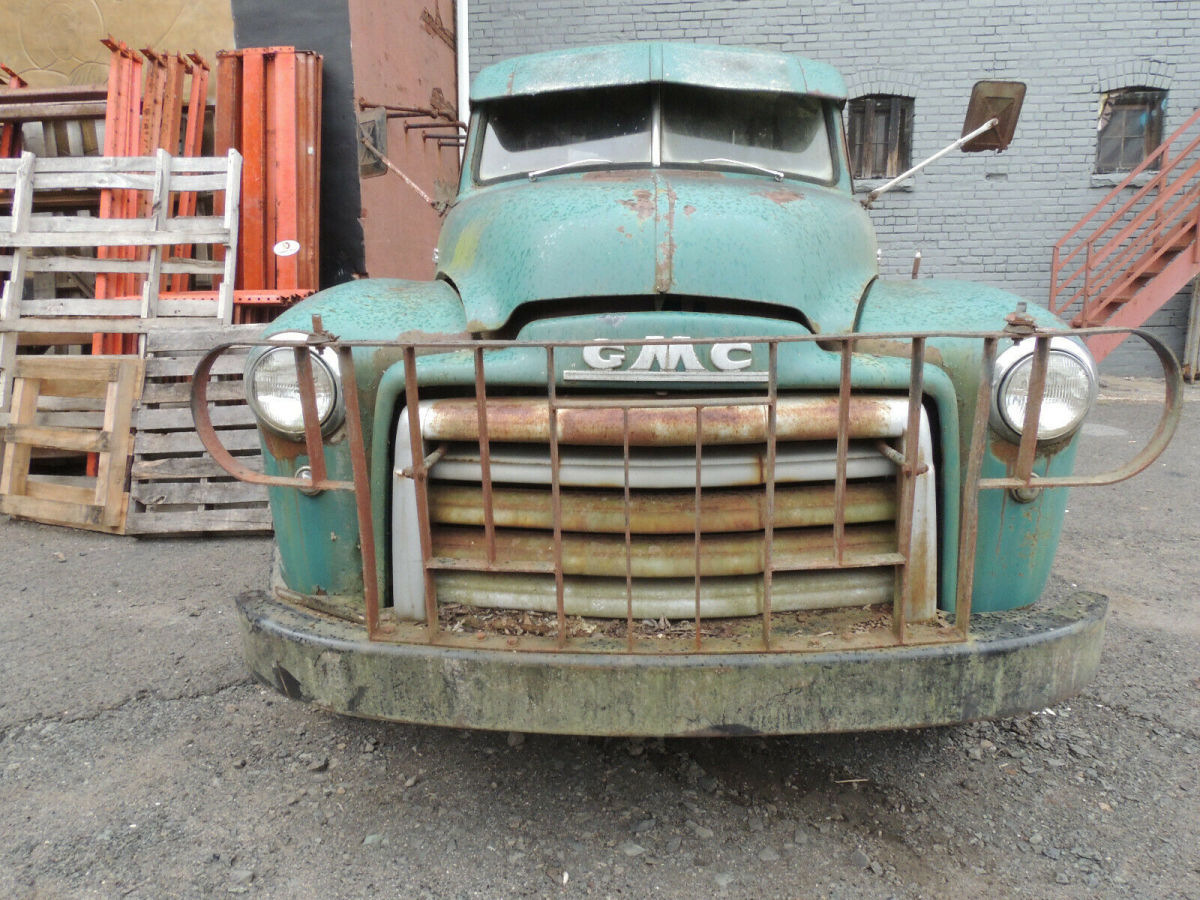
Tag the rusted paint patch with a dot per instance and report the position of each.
(899, 349)
(664, 263)
(782, 196)
(638, 175)
(689, 209)
(642, 204)
(280, 447)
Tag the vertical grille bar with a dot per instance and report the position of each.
(420, 476)
(556, 497)
(314, 442)
(362, 489)
(843, 447)
(485, 457)
(696, 524)
(769, 531)
(628, 534)
(908, 481)
(968, 527)
(1033, 411)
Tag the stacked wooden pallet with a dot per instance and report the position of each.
(174, 485)
(52, 413)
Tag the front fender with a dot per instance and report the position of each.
(318, 535)
(1017, 541)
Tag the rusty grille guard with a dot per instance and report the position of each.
(1021, 476)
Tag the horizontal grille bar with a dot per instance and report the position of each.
(659, 467)
(671, 556)
(672, 598)
(528, 420)
(661, 512)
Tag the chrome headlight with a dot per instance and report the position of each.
(273, 387)
(1068, 398)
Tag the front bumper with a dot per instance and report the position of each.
(1013, 662)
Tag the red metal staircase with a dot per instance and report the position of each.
(1145, 249)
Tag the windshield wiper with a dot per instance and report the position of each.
(537, 173)
(742, 164)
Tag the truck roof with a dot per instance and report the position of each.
(613, 65)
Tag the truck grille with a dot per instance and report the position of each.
(670, 510)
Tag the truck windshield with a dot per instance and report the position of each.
(698, 127)
(528, 134)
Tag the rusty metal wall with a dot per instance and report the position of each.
(404, 56)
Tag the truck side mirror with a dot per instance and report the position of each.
(993, 100)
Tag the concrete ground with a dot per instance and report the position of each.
(138, 760)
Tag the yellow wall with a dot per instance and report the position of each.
(58, 42)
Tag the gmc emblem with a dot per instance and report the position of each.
(728, 361)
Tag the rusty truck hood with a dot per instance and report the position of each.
(723, 235)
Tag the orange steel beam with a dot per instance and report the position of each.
(285, 148)
(192, 146)
(252, 236)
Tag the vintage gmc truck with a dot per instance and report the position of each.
(658, 452)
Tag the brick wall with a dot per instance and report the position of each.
(984, 217)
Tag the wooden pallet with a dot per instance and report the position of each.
(175, 487)
(27, 231)
(56, 400)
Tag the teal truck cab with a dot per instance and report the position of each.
(658, 452)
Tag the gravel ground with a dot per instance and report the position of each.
(138, 760)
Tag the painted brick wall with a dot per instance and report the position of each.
(984, 217)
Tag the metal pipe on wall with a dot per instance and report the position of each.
(462, 46)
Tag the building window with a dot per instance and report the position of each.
(1129, 129)
(880, 135)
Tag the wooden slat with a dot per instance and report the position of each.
(54, 512)
(92, 264)
(200, 339)
(180, 392)
(254, 519)
(47, 325)
(77, 440)
(88, 178)
(180, 419)
(148, 443)
(78, 368)
(110, 477)
(167, 493)
(179, 366)
(75, 418)
(179, 467)
(45, 230)
(59, 492)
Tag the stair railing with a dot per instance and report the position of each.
(1153, 222)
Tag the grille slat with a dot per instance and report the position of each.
(625, 502)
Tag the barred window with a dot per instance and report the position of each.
(880, 135)
(1129, 128)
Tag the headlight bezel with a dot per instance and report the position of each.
(325, 364)
(1009, 363)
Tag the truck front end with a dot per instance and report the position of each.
(658, 453)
